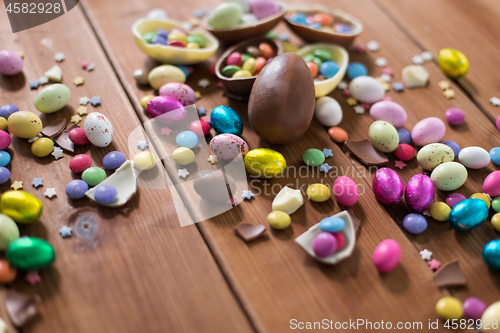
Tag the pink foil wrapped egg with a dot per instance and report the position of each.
(491, 184)
(180, 92)
(166, 110)
(386, 255)
(419, 192)
(387, 186)
(228, 146)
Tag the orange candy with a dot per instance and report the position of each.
(323, 18)
(259, 64)
(337, 134)
(266, 50)
(7, 272)
(313, 68)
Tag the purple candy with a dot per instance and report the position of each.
(113, 160)
(264, 8)
(404, 136)
(454, 198)
(105, 194)
(4, 175)
(342, 28)
(387, 186)
(415, 223)
(454, 146)
(8, 109)
(76, 189)
(419, 192)
(159, 40)
(162, 32)
(168, 111)
(324, 244)
(179, 30)
(454, 116)
(474, 308)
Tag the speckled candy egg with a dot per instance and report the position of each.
(52, 98)
(98, 129)
(166, 110)
(180, 92)
(328, 111)
(491, 184)
(366, 89)
(345, 191)
(11, 63)
(419, 192)
(434, 154)
(474, 157)
(228, 146)
(390, 112)
(225, 120)
(386, 255)
(468, 214)
(25, 124)
(428, 130)
(387, 186)
(164, 74)
(491, 254)
(383, 136)
(449, 176)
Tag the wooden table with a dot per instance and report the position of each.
(142, 272)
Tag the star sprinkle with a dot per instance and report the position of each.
(204, 83)
(417, 59)
(342, 85)
(324, 168)
(76, 119)
(434, 264)
(85, 64)
(495, 101)
(197, 94)
(95, 101)
(91, 67)
(213, 159)
(34, 84)
(398, 86)
(43, 80)
(247, 194)
(373, 46)
(381, 62)
(386, 86)
(346, 92)
(33, 139)
(37, 182)
(359, 109)
(284, 37)
(66, 231)
(426, 213)
(388, 71)
(79, 80)
(327, 152)
(449, 93)
(50, 192)
(33, 278)
(427, 56)
(82, 110)
(59, 56)
(166, 131)
(386, 77)
(57, 153)
(444, 85)
(360, 48)
(201, 112)
(182, 173)
(21, 53)
(17, 185)
(351, 101)
(142, 144)
(426, 254)
(400, 165)
(84, 100)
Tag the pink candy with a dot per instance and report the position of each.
(80, 163)
(404, 152)
(199, 127)
(78, 136)
(234, 59)
(324, 244)
(345, 191)
(428, 130)
(264, 8)
(454, 198)
(11, 63)
(386, 255)
(491, 184)
(5, 140)
(454, 116)
(390, 112)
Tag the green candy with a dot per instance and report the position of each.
(30, 254)
(308, 58)
(245, 57)
(495, 204)
(228, 71)
(323, 54)
(317, 61)
(148, 36)
(313, 157)
(273, 35)
(198, 39)
(93, 176)
(226, 15)
(9, 231)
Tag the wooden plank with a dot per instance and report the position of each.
(132, 269)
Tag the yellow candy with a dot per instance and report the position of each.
(178, 37)
(249, 66)
(3, 124)
(483, 197)
(439, 211)
(279, 220)
(183, 156)
(328, 29)
(318, 192)
(240, 74)
(24, 124)
(22, 207)
(449, 308)
(289, 47)
(453, 63)
(145, 160)
(145, 100)
(495, 221)
(42, 147)
(192, 45)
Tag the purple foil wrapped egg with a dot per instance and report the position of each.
(180, 92)
(387, 186)
(419, 192)
(167, 110)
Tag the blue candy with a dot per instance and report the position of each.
(328, 69)
(184, 69)
(415, 223)
(332, 224)
(4, 158)
(454, 146)
(468, 214)
(187, 139)
(159, 40)
(404, 136)
(162, 32)
(299, 18)
(4, 175)
(356, 69)
(76, 189)
(225, 120)
(495, 155)
(8, 109)
(343, 28)
(315, 26)
(113, 160)
(105, 194)
(491, 254)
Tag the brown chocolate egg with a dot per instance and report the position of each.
(282, 100)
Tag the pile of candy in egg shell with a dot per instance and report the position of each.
(320, 21)
(248, 64)
(231, 14)
(175, 37)
(320, 61)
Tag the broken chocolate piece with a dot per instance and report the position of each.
(64, 142)
(366, 153)
(355, 221)
(55, 128)
(449, 275)
(248, 232)
(20, 307)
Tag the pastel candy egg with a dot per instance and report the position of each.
(328, 111)
(495, 204)
(404, 152)
(428, 130)
(340, 238)
(474, 308)
(25, 124)
(183, 156)
(388, 111)
(383, 136)
(11, 63)
(318, 192)
(415, 223)
(449, 176)
(387, 186)
(166, 110)
(241, 74)
(78, 136)
(324, 244)
(22, 207)
(491, 315)
(225, 120)
(8, 109)
(491, 254)
(454, 198)
(264, 163)
(345, 191)
(52, 98)
(226, 15)
(9, 232)
(449, 308)
(42, 147)
(453, 63)
(180, 92)
(145, 160)
(5, 140)
(386, 255)
(454, 116)
(164, 74)
(468, 214)
(495, 221)
(491, 184)
(366, 89)
(434, 154)
(474, 157)
(186, 139)
(332, 224)
(440, 211)
(228, 146)
(98, 129)
(113, 160)
(264, 8)
(76, 189)
(30, 254)
(79, 163)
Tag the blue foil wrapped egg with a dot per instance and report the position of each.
(225, 120)
(491, 254)
(468, 214)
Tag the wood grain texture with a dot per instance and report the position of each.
(132, 269)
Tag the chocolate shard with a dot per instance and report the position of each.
(21, 307)
(449, 275)
(55, 128)
(248, 232)
(366, 153)
(64, 142)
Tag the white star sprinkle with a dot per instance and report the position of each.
(182, 173)
(204, 83)
(84, 100)
(247, 194)
(91, 67)
(57, 153)
(427, 56)
(426, 254)
(417, 59)
(213, 159)
(386, 77)
(59, 56)
(142, 144)
(373, 46)
(381, 62)
(359, 109)
(426, 213)
(342, 85)
(50, 192)
(43, 80)
(495, 101)
(33, 139)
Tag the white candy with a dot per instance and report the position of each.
(328, 111)
(474, 157)
(98, 129)
(288, 200)
(415, 76)
(366, 89)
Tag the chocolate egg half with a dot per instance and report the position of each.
(282, 100)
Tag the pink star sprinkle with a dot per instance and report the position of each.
(434, 264)
(388, 71)
(346, 92)
(365, 106)
(219, 85)
(387, 98)
(360, 48)
(400, 164)
(166, 131)
(85, 64)
(33, 278)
